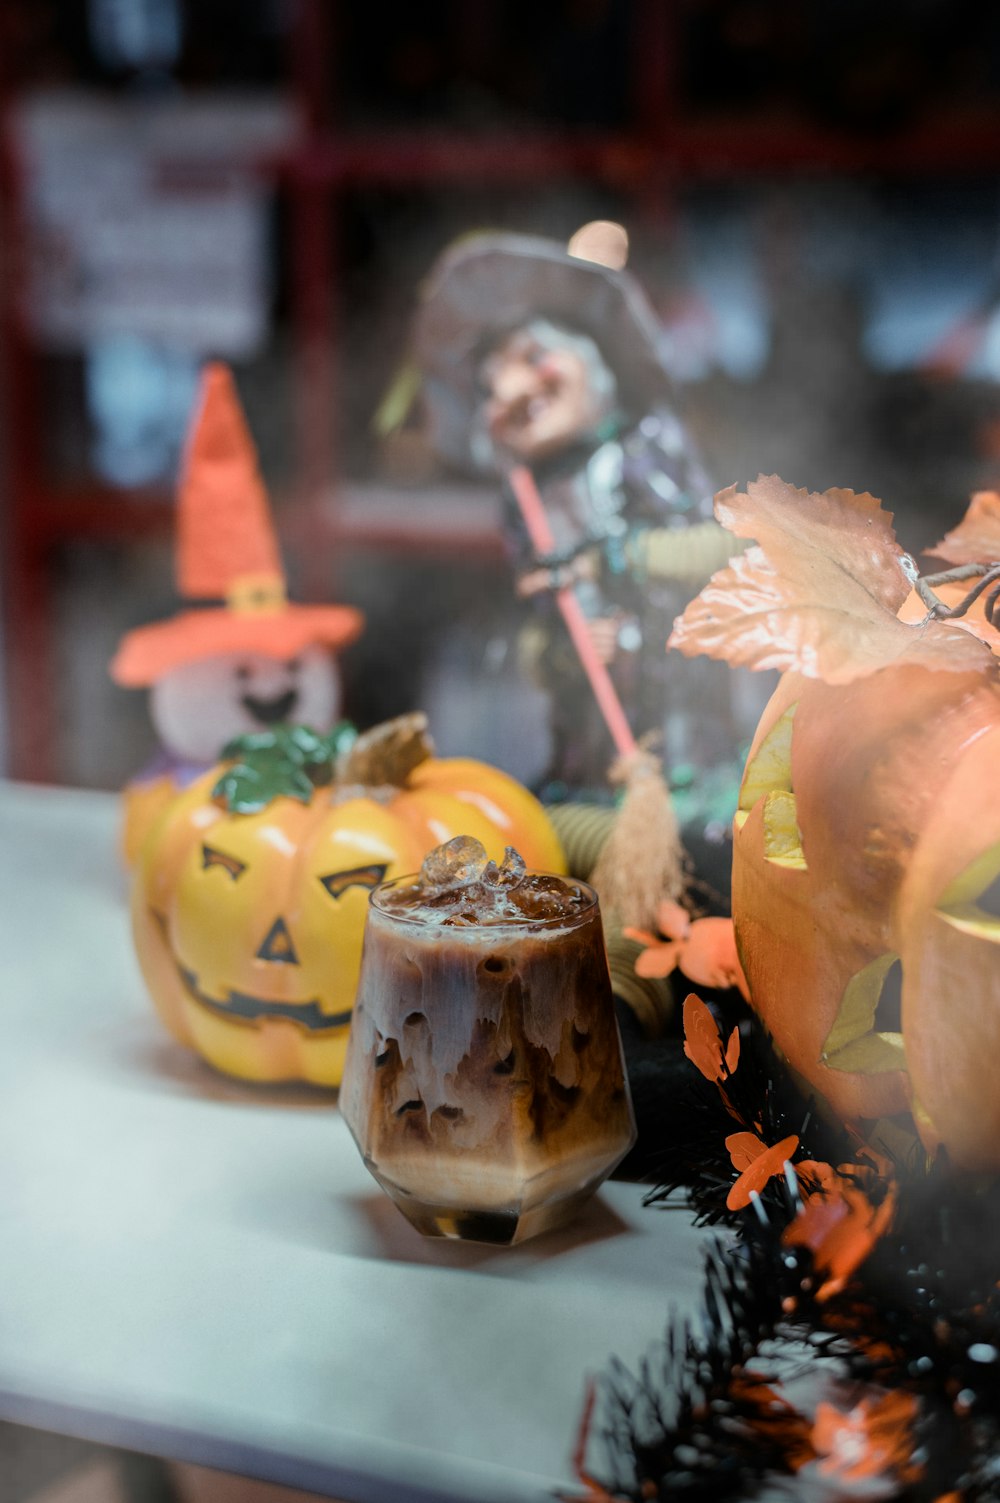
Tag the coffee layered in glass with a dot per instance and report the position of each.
(484, 1081)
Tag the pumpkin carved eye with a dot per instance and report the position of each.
(337, 883)
(769, 776)
(229, 864)
(866, 1032)
(770, 771)
(972, 901)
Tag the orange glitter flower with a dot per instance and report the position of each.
(873, 1439)
(838, 1222)
(704, 950)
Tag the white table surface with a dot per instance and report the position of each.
(205, 1270)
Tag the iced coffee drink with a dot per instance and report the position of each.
(484, 1082)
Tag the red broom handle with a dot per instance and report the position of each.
(533, 511)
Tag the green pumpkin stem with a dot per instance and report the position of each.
(285, 761)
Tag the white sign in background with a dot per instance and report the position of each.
(150, 218)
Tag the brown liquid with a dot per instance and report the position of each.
(484, 1075)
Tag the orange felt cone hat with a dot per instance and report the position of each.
(226, 550)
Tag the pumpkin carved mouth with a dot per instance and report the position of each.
(243, 1007)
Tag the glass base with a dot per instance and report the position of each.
(497, 1228)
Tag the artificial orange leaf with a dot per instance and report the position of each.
(743, 1148)
(658, 960)
(818, 594)
(702, 1043)
(733, 1052)
(873, 1439)
(976, 539)
(760, 1166)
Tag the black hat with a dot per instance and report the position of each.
(486, 285)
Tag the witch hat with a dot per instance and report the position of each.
(485, 285)
(227, 554)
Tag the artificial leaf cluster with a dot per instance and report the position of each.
(976, 539)
(820, 592)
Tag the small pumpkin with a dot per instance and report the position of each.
(144, 799)
(250, 895)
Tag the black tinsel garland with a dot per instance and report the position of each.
(705, 1416)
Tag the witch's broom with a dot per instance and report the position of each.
(642, 860)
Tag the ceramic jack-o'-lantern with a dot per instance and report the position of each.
(250, 894)
(243, 658)
(867, 841)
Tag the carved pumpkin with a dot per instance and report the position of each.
(840, 784)
(867, 839)
(250, 895)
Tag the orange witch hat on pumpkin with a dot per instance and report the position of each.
(226, 552)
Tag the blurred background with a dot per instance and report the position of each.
(813, 198)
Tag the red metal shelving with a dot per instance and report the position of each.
(649, 161)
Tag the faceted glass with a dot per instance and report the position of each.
(484, 1081)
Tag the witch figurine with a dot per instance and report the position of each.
(536, 358)
(241, 657)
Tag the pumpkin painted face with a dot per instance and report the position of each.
(199, 707)
(249, 905)
(250, 928)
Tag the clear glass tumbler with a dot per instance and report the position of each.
(484, 1081)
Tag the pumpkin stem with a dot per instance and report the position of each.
(986, 573)
(282, 762)
(388, 753)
